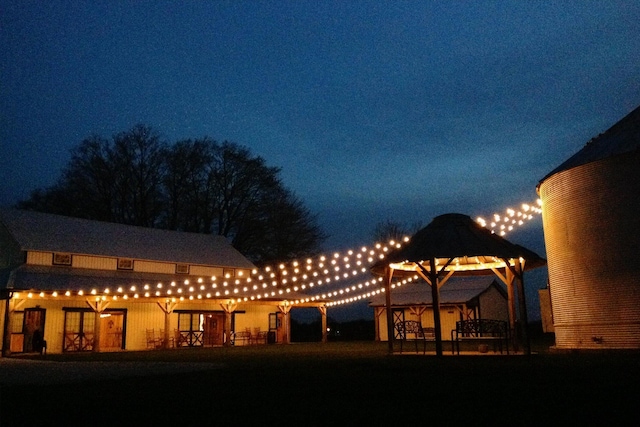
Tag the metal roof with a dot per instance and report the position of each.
(456, 290)
(623, 137)
(36, 231)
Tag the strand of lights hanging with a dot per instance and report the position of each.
(321, 270)
(293, 277)
(359, 297)
(512, 218)
(271, 282)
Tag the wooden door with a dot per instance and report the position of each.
(33, 330)
(213, 329)
(276, 324)
(111, 325)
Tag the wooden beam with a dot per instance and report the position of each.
(418, 311)
(228, 307)
(435, 297)
(387, 297)
(442, 281)
(285, 308)
(524, 318)
(323, 321)
(17, 304)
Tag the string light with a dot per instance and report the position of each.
(308, 275)
(512, 218)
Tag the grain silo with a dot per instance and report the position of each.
(591, 220)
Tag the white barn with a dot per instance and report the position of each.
(77, 285)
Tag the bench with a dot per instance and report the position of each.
(412, 330)
(242, 338)
(494, 331)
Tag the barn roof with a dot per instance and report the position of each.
(38, 231)
(456, 290)
(623, 137)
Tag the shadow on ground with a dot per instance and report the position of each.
(351, 383)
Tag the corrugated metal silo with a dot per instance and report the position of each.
(591, 220)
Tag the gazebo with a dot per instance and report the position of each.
(455, 244)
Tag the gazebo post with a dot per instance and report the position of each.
(524, 319)
(387, 295)
(323, 322)
(509, 277)
(435, 297)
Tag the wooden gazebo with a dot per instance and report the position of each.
(455, 244)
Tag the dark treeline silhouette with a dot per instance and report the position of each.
(393, 230)
(196, 185)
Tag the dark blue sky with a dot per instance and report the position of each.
(374, 110)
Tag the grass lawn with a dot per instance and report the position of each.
(341, 383)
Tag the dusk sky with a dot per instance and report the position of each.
(374, 110)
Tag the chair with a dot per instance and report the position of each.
(152, 341)
(160, 340)
(259, 337)
(242, 338)
(411, 330)
(179, 339)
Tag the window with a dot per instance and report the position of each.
(17, 322)
(61, 259)
(125, 264)
(182, 268)
(79, 326)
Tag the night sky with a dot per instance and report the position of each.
(374, 110)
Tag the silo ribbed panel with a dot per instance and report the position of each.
(591, 219)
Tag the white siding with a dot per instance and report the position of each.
(39, 258)
(154, 267)
(95, 263)
(493, 305)
(141, 315)
(198, 270)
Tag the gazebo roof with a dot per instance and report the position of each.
(469, 248)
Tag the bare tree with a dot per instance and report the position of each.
(189, 186)
(391, 230)
(137, 159)
(193, 185)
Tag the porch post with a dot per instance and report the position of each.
(167, 309)
(228, 308)
(96, 331)
(6, 329)
(284, 309)
(98, 308)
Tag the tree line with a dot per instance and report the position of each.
(193, 185)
